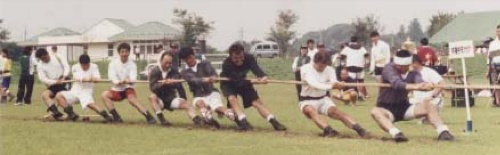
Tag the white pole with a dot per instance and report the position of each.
(467, 104)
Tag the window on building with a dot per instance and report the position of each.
(110, 50)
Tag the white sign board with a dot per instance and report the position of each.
(461, 49)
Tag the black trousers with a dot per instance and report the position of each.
(25, 88)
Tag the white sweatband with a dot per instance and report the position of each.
(403, 60)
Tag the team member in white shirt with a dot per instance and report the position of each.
(380, 55)
(85, 74)
(50, 72)
(64, 63)
(314, 101)
(355, 55)
(311, 48)
(429, 75)
(494, 64)
(123, 73)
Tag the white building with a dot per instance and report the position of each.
(101, 40)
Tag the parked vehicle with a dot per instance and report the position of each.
(265, 49)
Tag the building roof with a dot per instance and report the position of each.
(120, 23)
(60, 31)
(147, 31)
(470, 26)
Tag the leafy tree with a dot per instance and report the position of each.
(364, 26)
(438, 21)
(193, 26)
(281, 32)
(415, 31)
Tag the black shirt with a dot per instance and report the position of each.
(238, 73)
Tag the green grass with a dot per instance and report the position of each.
(22, 131)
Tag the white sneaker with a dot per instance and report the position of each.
(18, 104)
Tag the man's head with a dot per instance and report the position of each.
(303, 50)
(159, 48)
(187, 54)
(424, 41)
(236, 54)
(54, 48)
(321, 47)
(374, 36)
(344, 74)
(320, 61)
(27, 50)
(354, 39)
(174, 48)
(310, 44)
(124, 51)
(43, 55)
(166, 61)
(403, 59)
(498, 31)
(84, 61)
(5, 53)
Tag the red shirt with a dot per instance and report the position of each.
(427, 55)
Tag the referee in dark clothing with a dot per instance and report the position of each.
(236, 67)
(26, 79)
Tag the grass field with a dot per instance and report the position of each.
(22, 131)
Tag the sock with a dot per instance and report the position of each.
(394, 131)
(104, 114)
(229, 114)
(327, 128)
(356, 127)
(115, 114)
(205, 113)
(269, 117)
(441, 128)
(52, 108)
(148, 115)
(160, 117)
(241, 117)
(69, 110)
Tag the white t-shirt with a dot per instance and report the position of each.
(118, 71)
(79, 74)
(50, 72)
(312, 52)
(494, 46)
(431, 76)
(318, 83)
(354, 57)
(380, 52)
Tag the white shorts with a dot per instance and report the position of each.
(73, 97)
(176, 102)
(357, 76)
(321, 105)
(213, 100)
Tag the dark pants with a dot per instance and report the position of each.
(25, 85)
(298, 87)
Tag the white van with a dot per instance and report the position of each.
(265, 49)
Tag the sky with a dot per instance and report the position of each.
(233, 19)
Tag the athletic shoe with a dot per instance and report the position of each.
(446, 136)
(400, 137)
(197, 120)
(11, 97)
(329, 132)
(151, 120)
(72, 117)
(57, 116)
(18, 104)
(277, 125)
(243, 125)
(117, 120)
(214, 123)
